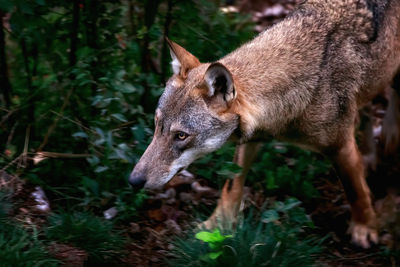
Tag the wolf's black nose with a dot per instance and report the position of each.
(137, 181)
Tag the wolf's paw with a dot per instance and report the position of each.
(363, 235)
(210, 224)
(217, 221)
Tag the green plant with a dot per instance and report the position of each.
(214, 241)
(93, 234)
(288, 170)
(283, 169)
(5, 203)
(213, 29)
(17, 248)
(276, 237)
(85, 78)
(217, 166)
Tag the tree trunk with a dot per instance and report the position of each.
(131, 14)
(29, 74)
(4, 80)
(150, 8)
(165, 53)
(74, 34)
(92, 9)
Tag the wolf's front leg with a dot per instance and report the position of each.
(350, 166)
(224, 215)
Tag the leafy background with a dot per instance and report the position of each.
(79, 83)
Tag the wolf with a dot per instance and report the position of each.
(301, 81)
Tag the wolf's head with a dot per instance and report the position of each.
(194, 117)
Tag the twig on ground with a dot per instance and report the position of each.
(10, 136)
(11, 163)
(26, 145)
(357, 258)
(6, 116)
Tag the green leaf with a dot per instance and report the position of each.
(26, 8)
(288, 205)
(204, 236)
(93, 160)
(270, 216)
(80, 135)
(6, 6)
(213, 237)
(270, 181)
(41, 2)
(138, 133)
(214, 255)
(100, 169)
(91, 184)
(81, 75)
(215, 246)
(127, 88)
(119, 117)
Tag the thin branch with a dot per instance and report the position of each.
(26, 145)
(40, 156)
(62, 155)
(356, 258)
(29, 74)
(5, 117)
(54, 125)
(123, 125)
(12, 163)
(75, 122)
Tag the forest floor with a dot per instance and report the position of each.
(177, 210)
(170, 214)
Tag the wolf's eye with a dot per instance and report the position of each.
(181, 136)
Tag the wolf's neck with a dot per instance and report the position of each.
(276, 74)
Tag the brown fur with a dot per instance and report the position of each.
(303, 81)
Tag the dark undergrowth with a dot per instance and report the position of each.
(278, 236)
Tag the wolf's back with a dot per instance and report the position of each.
(359, 18)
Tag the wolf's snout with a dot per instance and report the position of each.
(137, 181)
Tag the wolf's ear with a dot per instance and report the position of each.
(220, 82)
(182, 60)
